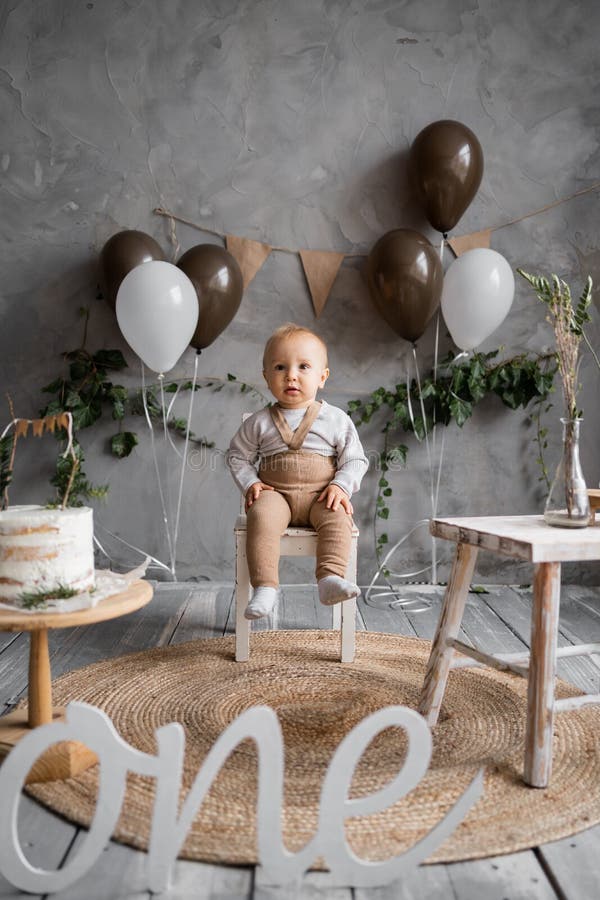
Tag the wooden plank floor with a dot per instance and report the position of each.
(496, 620)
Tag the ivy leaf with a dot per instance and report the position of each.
(78, 370)
(72, 400)
(85, 414)
(110, 359)
(122, 444)
(460, 410)
(117, 394)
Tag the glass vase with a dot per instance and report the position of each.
(568, 504)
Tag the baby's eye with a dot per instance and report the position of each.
(279, 367)
(304, 366)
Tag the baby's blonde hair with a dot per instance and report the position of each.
(288, 330)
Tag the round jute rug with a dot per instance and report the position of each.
(318, 700)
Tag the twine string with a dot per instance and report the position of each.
(161, 211)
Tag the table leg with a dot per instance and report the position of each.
(542, 672)
(40, 684)
(62, 760)
(441, 654)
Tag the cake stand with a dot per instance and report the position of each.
(69, 757)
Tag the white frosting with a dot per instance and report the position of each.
(43, 549)
(107, 584)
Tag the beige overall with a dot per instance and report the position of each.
(298, 477)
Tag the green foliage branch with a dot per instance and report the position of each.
(450, 395)
(87, 390)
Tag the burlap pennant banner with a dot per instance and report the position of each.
(38, 426)
(471, 241)
(21, 428)
(250, 255)
(320, 268)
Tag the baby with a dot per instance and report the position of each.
(297, 463)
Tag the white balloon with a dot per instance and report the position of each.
(157, 311)
(477, 294)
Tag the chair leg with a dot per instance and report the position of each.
(441, 654)
(542, 671)
(242, 596)
(347, 624)
(336, 616)
(348, 631)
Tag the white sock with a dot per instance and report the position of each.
(262, 603)
(333, 589)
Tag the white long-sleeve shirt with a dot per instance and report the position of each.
(332, 434)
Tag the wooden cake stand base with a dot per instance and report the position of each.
(67, 758)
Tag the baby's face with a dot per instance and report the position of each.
(295, 370)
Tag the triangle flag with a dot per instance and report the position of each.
(320, 269)
(471, 241)
(250, 255)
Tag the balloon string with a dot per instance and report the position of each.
(429, 460)
(379, 592)
(185, 447)
(436, 490)
(157, 563)
(163, 405)
(410, 409)
(155, 459)
(169, 410)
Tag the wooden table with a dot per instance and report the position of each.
(69, 758)
(525, 538)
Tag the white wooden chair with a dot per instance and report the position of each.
(294, 542)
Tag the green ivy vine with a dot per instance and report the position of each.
(450, 395)
(88, 391)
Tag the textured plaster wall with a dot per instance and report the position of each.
(287, 122)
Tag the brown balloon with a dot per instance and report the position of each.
(217, 277)
(446, 160)
(405, 278)
(122, 253)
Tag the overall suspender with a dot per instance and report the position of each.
(294, 439)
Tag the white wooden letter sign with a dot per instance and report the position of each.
(116, 757)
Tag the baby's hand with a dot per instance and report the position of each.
(254, 492)
(334, 497)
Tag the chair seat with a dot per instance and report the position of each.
(295, 531)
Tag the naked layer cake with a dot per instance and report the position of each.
(44, 550)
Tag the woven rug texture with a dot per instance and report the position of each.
(318, 700)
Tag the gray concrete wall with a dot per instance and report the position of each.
(287, 122)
